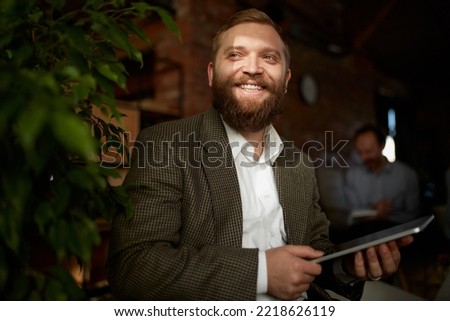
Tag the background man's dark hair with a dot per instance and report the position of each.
(380, 134)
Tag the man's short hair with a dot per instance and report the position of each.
(379, 133)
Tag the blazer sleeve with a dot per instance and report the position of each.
(149, 259)
(328, 279)
(306, 223)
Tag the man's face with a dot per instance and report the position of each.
(369, 150)
(249, 76)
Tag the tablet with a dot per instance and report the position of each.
(379, 237)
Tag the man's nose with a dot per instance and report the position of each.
(252, 66)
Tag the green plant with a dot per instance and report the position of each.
(58, 62)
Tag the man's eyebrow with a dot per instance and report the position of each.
(264, 50)
(230, 48)
(271, 51)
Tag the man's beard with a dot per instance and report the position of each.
(374, 163)
(249, 115)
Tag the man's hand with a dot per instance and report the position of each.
(376, 262)
(289, 270)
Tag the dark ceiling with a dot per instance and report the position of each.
(407, 39)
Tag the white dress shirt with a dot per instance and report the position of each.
(263, 223)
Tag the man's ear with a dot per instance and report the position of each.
(288, 77)
(210, 73)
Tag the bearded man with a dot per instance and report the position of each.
(226, 209)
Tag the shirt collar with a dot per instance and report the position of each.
(273, 143)
(388, 167)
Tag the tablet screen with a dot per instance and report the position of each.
(379, 237)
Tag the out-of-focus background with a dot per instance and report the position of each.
(384, 62)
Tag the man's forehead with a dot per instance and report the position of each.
(366, 139)
(239, 35)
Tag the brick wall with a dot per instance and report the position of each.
(347, 85)
(346, 90)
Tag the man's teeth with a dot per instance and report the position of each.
(250, 87)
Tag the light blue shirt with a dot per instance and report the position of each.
(397, 183)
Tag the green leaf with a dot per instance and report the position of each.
(105, 70)
(98, 19)
(106, 51)
(63, 194)
(116, 131)
(35, 16)
(120, 194)
(94, 170)
(57, 238)
(141, 8)
(96, 3)
(77, 59)
(61, 286)
(119, 37)
(70, 71)
(7, 4)
(10, 229)
(73, 133)
(55, 291)
(79, 40)
(21, 54)
(168, 21)
(136, 55)
(102, 100)
(29, 125)
(82, 237)
(3, 269)
(134, 29)
(109, 172)
(43, 214)
(165, 16)
(105, 84)
(5, 39)
(19, 287)
(39, 289)
(83, 88)
(81, 178)
(119, 70)
(58, 4)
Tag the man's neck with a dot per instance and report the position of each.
(381, 164)
(257, 140)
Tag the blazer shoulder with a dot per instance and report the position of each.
(205, 126)
(168, 129)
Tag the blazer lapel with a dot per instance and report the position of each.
(290, 183)
(219, 168)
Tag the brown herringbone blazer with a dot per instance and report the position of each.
(184, 239)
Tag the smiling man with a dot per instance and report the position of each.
(230, 209)
(249, 77)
